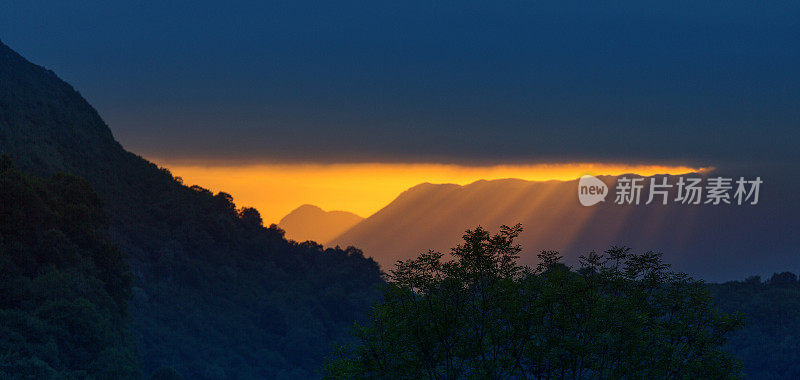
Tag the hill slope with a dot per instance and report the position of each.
(713, 242)
(215, 293)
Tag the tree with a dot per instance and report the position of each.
(480, 315)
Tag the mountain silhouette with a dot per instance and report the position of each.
(309, 222)
(721, 242)
(215, 293)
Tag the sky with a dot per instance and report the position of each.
(455, 82)
(253, 83)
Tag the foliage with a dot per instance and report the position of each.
(215, 295)
(64, 286)
(769, 344)
(480, 315)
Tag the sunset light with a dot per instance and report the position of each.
(363, 189)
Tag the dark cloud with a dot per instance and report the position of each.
(713, 83)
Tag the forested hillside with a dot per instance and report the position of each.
(215, 293)
(65, 287)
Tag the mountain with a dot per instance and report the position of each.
(721, 242)
(215, 293)
(309, 222)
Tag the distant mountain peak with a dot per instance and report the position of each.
(307, 208)
(310, 222)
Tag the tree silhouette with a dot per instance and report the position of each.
(480, 315)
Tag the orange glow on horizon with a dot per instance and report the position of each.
(364, 188)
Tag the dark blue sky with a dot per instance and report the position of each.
(712, 83)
